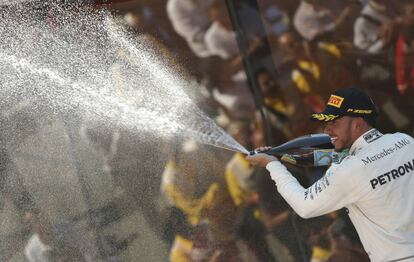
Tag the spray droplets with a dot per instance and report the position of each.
(87, 64)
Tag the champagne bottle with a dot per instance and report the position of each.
(310, 150)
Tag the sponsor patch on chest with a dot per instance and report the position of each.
(386, 152)
(396, 173)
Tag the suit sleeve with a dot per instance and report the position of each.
(332, 192)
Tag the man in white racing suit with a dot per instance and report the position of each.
(374, 182)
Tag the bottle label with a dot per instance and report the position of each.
(323, 157)
(289, 159)
(337, 157)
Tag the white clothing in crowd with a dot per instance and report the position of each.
(36, 251)
(237, 100)
(221, 41)
(66, 234)
(367, 28)
(190, 20)
(204, 37)
(311, 23)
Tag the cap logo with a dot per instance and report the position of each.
(324, 117)
(335, 101)
(359, 111)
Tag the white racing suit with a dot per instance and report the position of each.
(375, 182)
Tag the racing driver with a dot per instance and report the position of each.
(374, 181)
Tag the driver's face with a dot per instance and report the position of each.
(341, 132)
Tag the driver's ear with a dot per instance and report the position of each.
(359, 122)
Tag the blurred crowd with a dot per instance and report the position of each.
(223, 209)
(214, 206)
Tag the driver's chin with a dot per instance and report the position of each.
(338, 146)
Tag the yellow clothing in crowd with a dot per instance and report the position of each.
(218, 204)
(179, 189)
(238, 171)
(320, 254)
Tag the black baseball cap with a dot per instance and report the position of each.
(351, 101)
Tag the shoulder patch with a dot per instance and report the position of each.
(372, 135)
